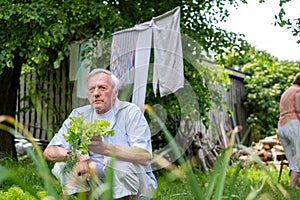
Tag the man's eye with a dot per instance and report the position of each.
(91, 90)
(102, 88)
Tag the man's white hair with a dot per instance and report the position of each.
(114, 80)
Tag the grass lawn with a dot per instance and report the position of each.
(242, 181)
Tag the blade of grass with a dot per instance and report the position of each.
(254, 193)
(217, 181)
(221, 182)
(256, 159)
(109, 179)
(235, 176)
(214, 177)
(43, 170)
(192, 180)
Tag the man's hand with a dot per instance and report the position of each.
(98, 146)
(82, 166)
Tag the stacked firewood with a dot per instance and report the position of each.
(268, 150)
(205, 152)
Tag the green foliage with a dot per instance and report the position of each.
(236, 58)
(36, 156)
(42, 30)
(241, 180)
(15, 193)
(79, 136)
(282, 20)
(266, 81)
(81, 132)
(20, 181)
(39, 32)
(37, 29)
(20, 169)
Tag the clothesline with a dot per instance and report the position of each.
(130, 57)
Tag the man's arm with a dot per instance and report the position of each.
(125, 153)
(60, 154)
(297, 104)
(55, 154)
(129, 154)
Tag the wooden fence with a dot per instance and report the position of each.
(39, 110)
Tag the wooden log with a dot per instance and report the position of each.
(202, 160)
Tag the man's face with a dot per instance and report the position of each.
(100, 92)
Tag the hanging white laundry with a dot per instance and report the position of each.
(123, 55)
(90, 51)
(73, 60)
(83, 70)
(131, 50)
(168, 59)
(142, 60)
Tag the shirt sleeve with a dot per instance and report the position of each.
(138, 130)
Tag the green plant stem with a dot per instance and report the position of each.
(196, 190)
(221, 183)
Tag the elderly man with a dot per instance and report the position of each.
(130, 145)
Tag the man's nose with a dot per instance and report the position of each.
(96, 92)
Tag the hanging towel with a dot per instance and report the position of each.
(97, 49)
(123, 55)
(73, 60)
(142, 59)
(89, 51)
(168, 59)
(85, 56)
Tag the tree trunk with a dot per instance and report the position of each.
(9, 85)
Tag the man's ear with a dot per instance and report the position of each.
(116, 93)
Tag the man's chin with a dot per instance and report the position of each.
(98, 106)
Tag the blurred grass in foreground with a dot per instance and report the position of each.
(31, 178)
(249, 178)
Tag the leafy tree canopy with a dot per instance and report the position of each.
(291, 23)
(37, 29)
